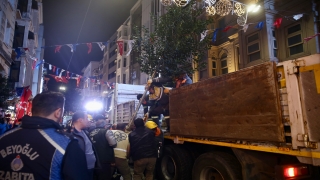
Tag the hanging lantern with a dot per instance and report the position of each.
(242, 20)
(223, 7)
(181, 3)
(211, 10)
(166, 2)
(239, 9)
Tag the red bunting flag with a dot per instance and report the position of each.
(57, 49)
(120, 47)
(278, 22)
(227, 28)
(60, 79)
(310, 37)
(89, 47)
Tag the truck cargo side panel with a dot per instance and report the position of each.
(311, 104)
(243, 105)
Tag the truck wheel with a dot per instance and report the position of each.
(175, 164)
(216, 166)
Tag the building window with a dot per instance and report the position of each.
(7, 34)
(112, 75)
(125, 32)
(294, 40)
(125, 47)
(118, 79)
(112, 53)
(124, 62)
(124, 78)
(275, 44)
(202, 74)
(253, 47)
(224, 64)
(112, 64)
(119, 63)
(214, 67)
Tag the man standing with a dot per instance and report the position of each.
(142, 150)
(103, 142)
(39, 149)
(121, 152)
(158, 135)
(80, 122)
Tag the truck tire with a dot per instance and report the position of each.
(217, 166)
(175, 164)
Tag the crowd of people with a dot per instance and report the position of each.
(41, 149)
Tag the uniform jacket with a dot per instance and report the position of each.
(39, 149)
(142, 144)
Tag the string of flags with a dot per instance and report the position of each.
(102, 46)
(227, 28)
(63, 76)
(259, 25)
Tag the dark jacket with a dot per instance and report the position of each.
(82, 146)
(142, 144)
(103, 148)
(39, 149)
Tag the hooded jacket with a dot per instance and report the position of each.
(39, 149)
(142, 144)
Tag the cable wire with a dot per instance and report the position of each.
(84, 19)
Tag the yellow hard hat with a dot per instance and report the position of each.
(151, 125)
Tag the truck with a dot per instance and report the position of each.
(122, 102)
(258, 123)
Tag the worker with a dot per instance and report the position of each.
(158, 135)
(159, 95)
(159, 102)
(180, 79)
(122, 151)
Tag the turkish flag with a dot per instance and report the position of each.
(277, 23)
(120, 47)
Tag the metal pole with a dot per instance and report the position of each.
(140, 102)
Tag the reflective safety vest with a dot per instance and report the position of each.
(122, 143)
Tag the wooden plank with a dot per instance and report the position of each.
(243, 105)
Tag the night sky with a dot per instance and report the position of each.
(62, 21)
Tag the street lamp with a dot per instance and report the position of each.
(94, 106)
(253, 8)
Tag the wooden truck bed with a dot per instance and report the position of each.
(242, 105)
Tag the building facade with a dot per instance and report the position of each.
(91, 88)
(8, 11)
(237, 49)
(28, 39)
